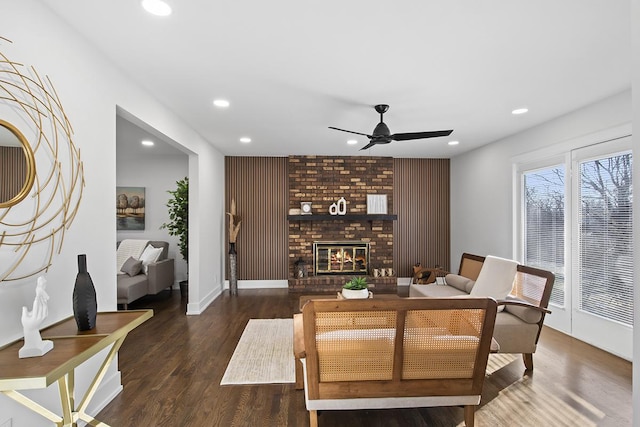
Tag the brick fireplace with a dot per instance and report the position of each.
(322, 181)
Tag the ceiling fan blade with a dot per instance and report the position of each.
(350, 131)
(369, 145)
(420, 135)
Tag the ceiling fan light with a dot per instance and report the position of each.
(156, 7)
(352, 142)
(453, 142)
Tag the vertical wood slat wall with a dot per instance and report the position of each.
(13, 172)
(421, 201)
(259, 186)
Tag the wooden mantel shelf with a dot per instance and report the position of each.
(348, 217)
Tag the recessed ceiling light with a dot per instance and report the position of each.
(147, 143)
(352, 142)
(519, 111)
(453, 142)
(156, 7)
(245, 140)
(222, 103)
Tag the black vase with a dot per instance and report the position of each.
(85, 306)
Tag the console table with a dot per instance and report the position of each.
(71, 349)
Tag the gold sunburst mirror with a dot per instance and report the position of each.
(45, 184)
(17, 165)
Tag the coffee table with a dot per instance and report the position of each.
(305, 298)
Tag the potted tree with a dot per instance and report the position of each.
(356, 288)
(178, 224)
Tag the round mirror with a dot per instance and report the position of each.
(17, 165)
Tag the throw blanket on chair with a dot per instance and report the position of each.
(129, 248)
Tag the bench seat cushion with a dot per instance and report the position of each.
(435, 291)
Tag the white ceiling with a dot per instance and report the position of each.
(292, 68)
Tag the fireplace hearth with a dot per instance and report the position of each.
(344, 258)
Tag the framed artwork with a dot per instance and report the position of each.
(130, 204)
(376, 204)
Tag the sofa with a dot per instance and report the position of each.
(151, 278)
(522, 301)
(393, 353)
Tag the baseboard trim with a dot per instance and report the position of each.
(260, 284)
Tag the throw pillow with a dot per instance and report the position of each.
(495, 279)
(149, 256)
(131, 266)
(459, 282)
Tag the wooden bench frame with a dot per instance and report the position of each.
(394, 392)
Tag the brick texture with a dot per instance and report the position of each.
(322, 180)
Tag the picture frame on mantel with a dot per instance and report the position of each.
(376, 204)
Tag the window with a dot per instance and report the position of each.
(605, 255)
(544, 225)
(574, 218)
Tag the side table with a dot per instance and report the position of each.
(71, 349)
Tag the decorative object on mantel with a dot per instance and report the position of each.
(34, 346)
(342, 206)
(333, 209)
(356, 288)
(85, 305)
(301, 268)
(234, 228)
(377, 204)
(294, 211)
(34, 226)
(178, 224)
(305, 208)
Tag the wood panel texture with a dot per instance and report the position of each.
(13, 172)
(421, 201)
(266, 187)
(259, 186)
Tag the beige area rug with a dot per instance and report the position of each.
(264, 354)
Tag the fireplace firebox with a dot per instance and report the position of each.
(340, 257)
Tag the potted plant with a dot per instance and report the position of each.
(356, 288)
(178, 224)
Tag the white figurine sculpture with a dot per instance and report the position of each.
(31, 320)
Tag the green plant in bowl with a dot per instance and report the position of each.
(356, 284)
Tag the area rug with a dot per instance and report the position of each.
(264, 354)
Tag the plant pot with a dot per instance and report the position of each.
(355, 294)
(184, 288)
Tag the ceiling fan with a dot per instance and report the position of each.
(382, 135)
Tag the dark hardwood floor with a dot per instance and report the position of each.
(172, 366)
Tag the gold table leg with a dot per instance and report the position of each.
(66, 385)
(35, 407)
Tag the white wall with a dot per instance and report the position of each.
(90, 90)
(482, 180)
